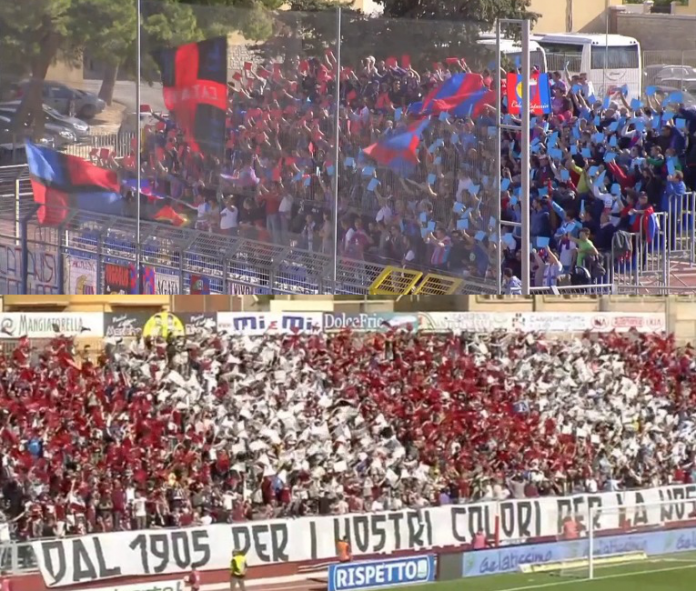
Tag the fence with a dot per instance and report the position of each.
(670, 69)
(18, 558)
(100, 149)
(669, 58)
(80, 255)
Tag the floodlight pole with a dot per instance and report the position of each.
(526, 77)
(337, 131)
(524, 129)
(138, 154)
(498, 160)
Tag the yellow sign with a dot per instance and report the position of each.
(164, 324)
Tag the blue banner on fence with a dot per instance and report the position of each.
(507, 560)
(381, 573)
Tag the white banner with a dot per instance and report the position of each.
(251, 323)
(166, 283)
(560, 322)
(156, 552)
(80, 276)
(46, 325)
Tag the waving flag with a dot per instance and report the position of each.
(169, 214)
(145, 188)
(539, 102)
(61, 182)
(194, 81)
(463, 95)
(400, 150)
(651, 226)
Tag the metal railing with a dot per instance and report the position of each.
(33, 259)
(238, 265)
(18, 558)
(99, 148)
(669, 57)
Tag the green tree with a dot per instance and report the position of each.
(34, 34)
(114, 26)
(426, 30)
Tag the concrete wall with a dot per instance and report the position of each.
(690, 8)
(88, 303)
(67, 73)
(577, 16)
(659, 32)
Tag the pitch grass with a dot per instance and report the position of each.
(676, 572)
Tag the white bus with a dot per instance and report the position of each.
(610, 62)
(513, 51)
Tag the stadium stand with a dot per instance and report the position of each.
(220, 428)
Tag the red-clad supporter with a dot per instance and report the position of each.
(221, 428)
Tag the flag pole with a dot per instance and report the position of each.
(337, 125)
(138, 153)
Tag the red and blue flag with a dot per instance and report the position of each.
(62, 183)
(651, 226)
(539, 88)
(399, 151)
(146, 188)
(194, 82)
(463, 95)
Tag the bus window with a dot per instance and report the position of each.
(536, 59)
(618, 58)
(560, 54)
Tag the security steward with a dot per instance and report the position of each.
(343, 550)
(238, 568)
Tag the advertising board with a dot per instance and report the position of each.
(507, 560)
(373, 574)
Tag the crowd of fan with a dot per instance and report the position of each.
(225, 429)
(600, 165)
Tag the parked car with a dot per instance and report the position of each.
(666, 75)
(129, 123)
(54, 120)
(12, 142)
(688, 96)
(66, 100)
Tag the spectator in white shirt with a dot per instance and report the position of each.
(385, 213)
(140, 511)
(341, 507)
(549, 268)
(229, 219)
(586, 86)
(285, 213)
(511, 284)
(566, 252)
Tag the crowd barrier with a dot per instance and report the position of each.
(88, 249)
(78, 257)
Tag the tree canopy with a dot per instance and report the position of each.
(425, 30)
(36, 33)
